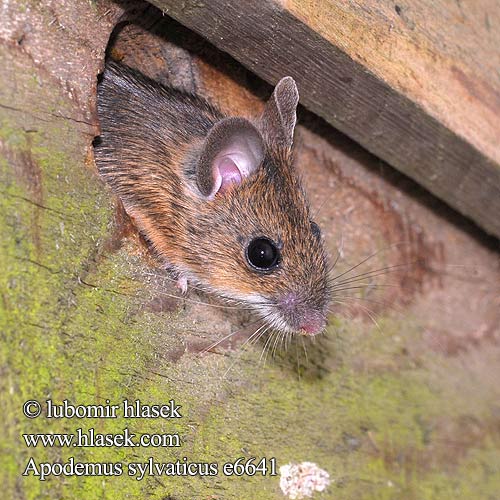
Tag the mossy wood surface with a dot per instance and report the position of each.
(400, 397)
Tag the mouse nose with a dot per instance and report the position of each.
(304, 318)
(312, 323)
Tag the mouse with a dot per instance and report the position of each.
(217, 197)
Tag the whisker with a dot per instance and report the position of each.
(374, 301)
(305, 350)
(266, 345)
(368, 258)
(371, 314)
(218, 342)
(240, 353)
(364, 286)
(201, 302)
(339, 252)
(374, 272)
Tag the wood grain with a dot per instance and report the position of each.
(399, 398)
(413, 98)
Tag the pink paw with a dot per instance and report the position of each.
(182, 284)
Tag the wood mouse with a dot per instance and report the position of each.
(217, 197)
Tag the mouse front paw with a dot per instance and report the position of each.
(182, 284)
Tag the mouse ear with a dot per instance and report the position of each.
(280, 115)
(232, 150)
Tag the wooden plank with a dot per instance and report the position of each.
(405, 378)
(408, 98)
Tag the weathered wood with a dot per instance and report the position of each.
(397, 400)
(393, 78)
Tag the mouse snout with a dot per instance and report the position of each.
(302, 317)
(312, 323)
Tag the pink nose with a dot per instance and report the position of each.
(312, 323)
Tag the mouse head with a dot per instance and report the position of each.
(258, 242)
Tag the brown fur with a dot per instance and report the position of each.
(149, 144)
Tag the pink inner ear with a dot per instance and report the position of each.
(226, 172)
(229, 172)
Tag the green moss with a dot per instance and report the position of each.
(75, 325)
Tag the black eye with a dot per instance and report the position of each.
(315, 229)
(262, 254)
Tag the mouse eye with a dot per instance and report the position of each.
(315, 229)
(262, 254)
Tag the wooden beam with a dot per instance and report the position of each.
(408, 89)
